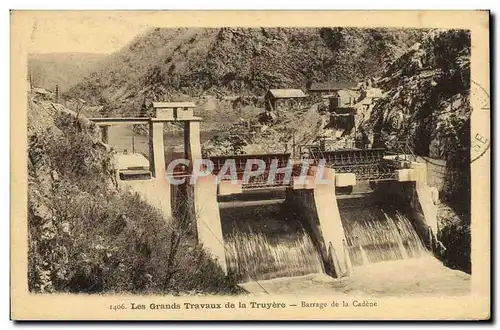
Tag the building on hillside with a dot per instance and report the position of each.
(277, 100)
(370, 97)
(342, 109)
(344, 98)
(328, 88)
(340, 94)
(374, 93)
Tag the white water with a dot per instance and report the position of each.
(423, 276)
(253, 256)
(264, 242)
(389, 260)
(375, 234)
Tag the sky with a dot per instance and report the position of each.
(90, 33)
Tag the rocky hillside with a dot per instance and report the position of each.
(426, 104)
(63, 69)
(178, 63)
(303, 126)
(87, 236)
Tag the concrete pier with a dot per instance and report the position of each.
(208, 223)
(104, 133)
(192, 143)
(318, 206)
(203, 205)
(331, 224)
(425, 196)
(156, 150)
(157, 165)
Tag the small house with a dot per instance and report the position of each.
(277, 100)
(374, 93)
(340, 94)
(343, 98)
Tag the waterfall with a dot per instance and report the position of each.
(379, 233)
(264, 242)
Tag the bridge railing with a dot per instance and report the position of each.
(259, 181)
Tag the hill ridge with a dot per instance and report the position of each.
(165, 63)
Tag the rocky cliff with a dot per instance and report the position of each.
(425, 103)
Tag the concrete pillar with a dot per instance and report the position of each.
(419, 173)
(205, 205)
(425, 195)
(192, 144)
(318, 207)
(104, 133)
(427, 206)
(330, 223)
(157, 151)
(208, 223)
(157, 167)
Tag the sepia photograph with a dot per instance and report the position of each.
(213, 168)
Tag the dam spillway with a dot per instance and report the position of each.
(376, 232)
(265, 241)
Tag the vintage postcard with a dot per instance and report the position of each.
(250, 165)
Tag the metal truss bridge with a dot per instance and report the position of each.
(255, 182)
(366, 164)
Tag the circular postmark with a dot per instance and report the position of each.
(480, 115)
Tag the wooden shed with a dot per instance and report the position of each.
(283, 99)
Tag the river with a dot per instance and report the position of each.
(424, 276)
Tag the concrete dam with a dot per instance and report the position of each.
(375, 206)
